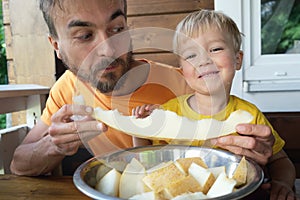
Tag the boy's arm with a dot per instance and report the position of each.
(282, 173)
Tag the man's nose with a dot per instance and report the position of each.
(105, 47)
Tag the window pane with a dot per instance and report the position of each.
(280, 26)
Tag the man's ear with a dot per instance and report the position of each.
(239, 60)
(54, 43)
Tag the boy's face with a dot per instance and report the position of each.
(91, 35)
(209, 62)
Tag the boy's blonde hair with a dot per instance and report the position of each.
(197, 22)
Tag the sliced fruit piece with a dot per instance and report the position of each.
(184, 163)
(203, 176)
(131, 181)
(101, 171)
(184, 185)
(222, 186)
(159, 179)
(164, 124)
(240, 173)
(109, 184)
(216, 171)
(191, 196)
(144, 196)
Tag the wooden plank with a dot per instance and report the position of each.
(5, 9)
(43, 187)
(149, 7)
(9, 105)
(8, 42)
(161, 36)
(11, 72)
(166, 58)
(9, 140)
(169, 21)
(19, 90)
(286, 124)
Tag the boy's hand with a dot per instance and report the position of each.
(144, 110)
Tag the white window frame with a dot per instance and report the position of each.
(272, 82)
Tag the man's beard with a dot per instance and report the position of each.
(113, 80)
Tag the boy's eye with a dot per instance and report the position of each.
(189, 57)
(216, 49)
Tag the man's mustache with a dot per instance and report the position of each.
(107, 62)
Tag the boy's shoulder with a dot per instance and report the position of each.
(240, 103)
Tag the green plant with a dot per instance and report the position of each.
(3, 65)
(280, 31)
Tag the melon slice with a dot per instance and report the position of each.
(240, 173)
(222, 186)
(131, 181)
(109, 183)
(164, 124)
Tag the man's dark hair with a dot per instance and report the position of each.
(47, 6)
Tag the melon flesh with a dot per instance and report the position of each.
(164, 124)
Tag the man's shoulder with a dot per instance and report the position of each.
(64, 85)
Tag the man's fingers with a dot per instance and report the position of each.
(67, 111)
(259, 130)
(257, 157)
(247, 146)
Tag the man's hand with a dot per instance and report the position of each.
(68, 134)
(254, 141)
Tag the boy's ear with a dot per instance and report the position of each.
(239, 60)
(55, 45)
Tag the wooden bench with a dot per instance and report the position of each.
(14, 98)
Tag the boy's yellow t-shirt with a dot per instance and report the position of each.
(180, 106)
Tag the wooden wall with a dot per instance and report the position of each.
(162, 14)
(288, 127)
(29, 54)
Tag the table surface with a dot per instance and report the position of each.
(46, 187)
(20, 187)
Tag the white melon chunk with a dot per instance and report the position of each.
(191, 196)
(109, 184)
(222, 186)
(203, 176)
(131, 181)
(144, 196)
(216, 171)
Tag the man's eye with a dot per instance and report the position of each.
(117, 29)
(216, 49)
(85, 36)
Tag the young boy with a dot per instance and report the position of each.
(208, 45)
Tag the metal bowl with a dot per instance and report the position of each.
(85, 176)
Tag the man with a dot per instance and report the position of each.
(90, 37)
